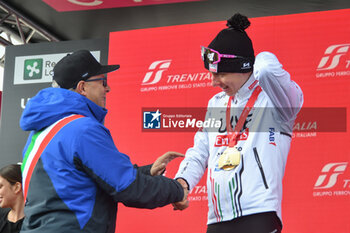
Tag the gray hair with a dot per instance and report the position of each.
(56, 85)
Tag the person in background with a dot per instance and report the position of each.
(247, 155)
(74, 176)
(11, 199)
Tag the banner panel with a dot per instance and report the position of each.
(28, 69)
(161, 68)
(80, 5)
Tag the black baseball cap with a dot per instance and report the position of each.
(77, 66)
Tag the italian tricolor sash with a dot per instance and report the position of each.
(37, 145)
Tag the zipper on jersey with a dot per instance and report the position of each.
(260, 167)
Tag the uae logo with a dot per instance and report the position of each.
(33, 69)
(155, 72)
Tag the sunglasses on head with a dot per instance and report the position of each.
(104, 79)
(213, 57)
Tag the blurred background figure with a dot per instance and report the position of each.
(11, 199)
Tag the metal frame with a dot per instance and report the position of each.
(20, 29)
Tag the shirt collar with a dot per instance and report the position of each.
(246, 90)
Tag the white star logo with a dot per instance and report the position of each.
(156, 115)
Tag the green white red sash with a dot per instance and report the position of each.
(37, 145)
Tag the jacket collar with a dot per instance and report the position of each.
(245, 91)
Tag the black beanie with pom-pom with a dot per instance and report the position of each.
(234, 41)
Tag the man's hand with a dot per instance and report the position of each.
(159, 165)
(181, 205)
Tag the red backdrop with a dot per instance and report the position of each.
(161, 67)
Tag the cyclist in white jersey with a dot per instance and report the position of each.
(245, 159)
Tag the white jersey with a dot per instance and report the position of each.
(255, 185)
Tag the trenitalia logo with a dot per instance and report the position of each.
(85, 3)
(332, 56)
(330, 173)
(160, 78)
(156, 70)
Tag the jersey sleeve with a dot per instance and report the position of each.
(195, 163)
(284, 93)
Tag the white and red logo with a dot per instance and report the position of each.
(332, 56)
(156, 70)
(330, 173)
(272, 140)
(78, 5)
(224, 140)
(85, 3)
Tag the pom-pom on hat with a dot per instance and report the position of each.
(233, 41)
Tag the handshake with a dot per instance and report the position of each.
(184, 203)
(158, 168)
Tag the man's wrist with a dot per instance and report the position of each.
(183, 183)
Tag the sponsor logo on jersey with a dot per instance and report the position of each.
(223, 140)
(272, 136)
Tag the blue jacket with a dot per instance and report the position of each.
(81, 176)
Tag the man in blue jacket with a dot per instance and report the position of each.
(73, 174)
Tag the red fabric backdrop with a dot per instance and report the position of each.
(161, 68)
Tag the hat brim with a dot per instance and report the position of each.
(107, 69)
